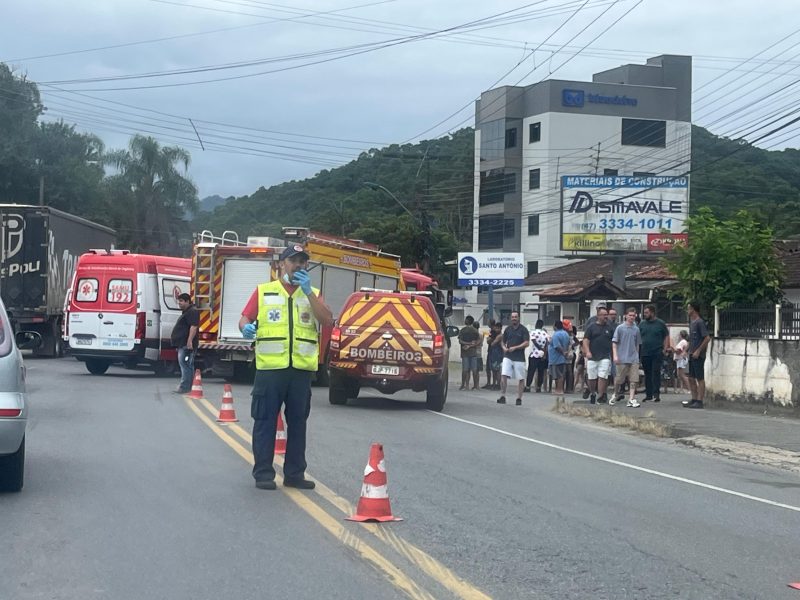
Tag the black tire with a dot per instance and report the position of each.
(437, 394)
(12, 470)
(323, 378)
(163, 368)
(341, 388)
(58, 351)
(97, 366)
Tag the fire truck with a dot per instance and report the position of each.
(226, 270)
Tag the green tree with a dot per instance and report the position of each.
(20, 107)
(727, 261)
(152, 195)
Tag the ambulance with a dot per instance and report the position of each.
(121, 308)
(227, 270)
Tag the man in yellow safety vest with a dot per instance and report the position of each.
(284, 316)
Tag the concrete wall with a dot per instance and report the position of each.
(763, 372)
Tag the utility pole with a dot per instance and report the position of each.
(41, 190)
(597, 160)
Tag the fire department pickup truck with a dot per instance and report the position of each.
(390, 341)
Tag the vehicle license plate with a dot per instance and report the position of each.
(83, 341)
(384, 370)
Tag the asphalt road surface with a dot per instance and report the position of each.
(133, 492)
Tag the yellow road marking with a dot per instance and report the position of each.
(392, 573)
(420, 558)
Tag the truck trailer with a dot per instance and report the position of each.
(39, 247)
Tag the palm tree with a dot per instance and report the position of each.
(157, 193)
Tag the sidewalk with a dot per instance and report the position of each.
(717, 428)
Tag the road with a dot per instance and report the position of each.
(133, 492)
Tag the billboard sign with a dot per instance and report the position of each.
(622, 213)
(664, 242)
(500, 269)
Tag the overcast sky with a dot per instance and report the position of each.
(328, 112)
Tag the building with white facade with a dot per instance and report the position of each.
(633, 120)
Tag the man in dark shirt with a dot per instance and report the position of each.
(597, 350)
(655, 343)
(515, 339)
(470, 340)
(699, 339)
(184, 338)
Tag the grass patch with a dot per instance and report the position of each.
(641, 422)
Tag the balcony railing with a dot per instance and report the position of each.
(758, 321)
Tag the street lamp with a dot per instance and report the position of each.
(422, 219)
(376, 186)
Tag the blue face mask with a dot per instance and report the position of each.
(286, 278)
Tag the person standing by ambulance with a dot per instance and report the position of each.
(184, 338)
(284, 316)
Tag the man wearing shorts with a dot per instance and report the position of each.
(514, 341)
(470, 340)
(626, 341)
(597, 349)
(699, 339)
(557, 358)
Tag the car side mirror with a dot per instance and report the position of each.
(452, 331)
(28, 340)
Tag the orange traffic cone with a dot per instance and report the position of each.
(280, 436)
(197, 386)
(226, 412)
(374, 502)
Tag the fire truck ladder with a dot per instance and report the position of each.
(205, 265)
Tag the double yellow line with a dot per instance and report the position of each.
(346, 535)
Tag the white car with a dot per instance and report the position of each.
(13, 408)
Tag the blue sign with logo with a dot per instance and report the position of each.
(577, 98)
(572, 98)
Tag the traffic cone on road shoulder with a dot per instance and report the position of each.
(374, 502)
(197, 386)
(227, 414)
(280, 436)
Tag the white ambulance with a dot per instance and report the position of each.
(121, 308)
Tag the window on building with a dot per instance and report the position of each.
(534, 179)
(533, 224)
(491, 229)
(533, 267)
(492, 139)
(511, 137)
(534, 132)
(643, 174)
(644, 132)
(610, 172)
(508, 229)
(495, 184)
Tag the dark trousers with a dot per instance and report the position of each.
(272, 389)
(538, 367)
(652, 375)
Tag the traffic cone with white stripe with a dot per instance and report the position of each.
(197, 386)
(227, 414)
(280, 436)
(374, 502)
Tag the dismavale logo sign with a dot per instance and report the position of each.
(581, 203)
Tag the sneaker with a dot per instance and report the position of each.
(501, 400)
(593, 399)
(603, 399)
(695, 404)
(586, 394)
(266, 484)
(488, 386)
(462, 388)
(613, 400)
(633, 404)
(527, 389)
(657, 399)
(519, 402)
(300, 483)
(648, 399)
(686, 403)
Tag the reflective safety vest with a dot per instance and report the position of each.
(287, 329)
